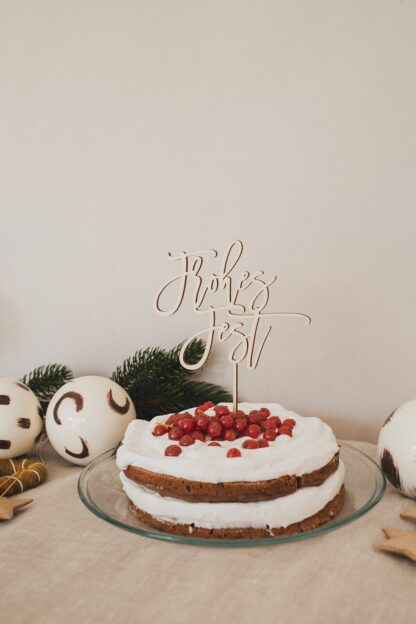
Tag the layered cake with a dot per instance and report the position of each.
(210, 472)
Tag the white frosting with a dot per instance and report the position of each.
(276, 513)
(312, 446)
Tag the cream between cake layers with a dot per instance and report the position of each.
(293, 484)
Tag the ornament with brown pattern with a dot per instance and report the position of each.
(75, 396)
(84, 453)
(390, 469)
(120, 409)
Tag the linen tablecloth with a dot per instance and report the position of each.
(59, 563)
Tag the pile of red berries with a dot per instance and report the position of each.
(259, 425)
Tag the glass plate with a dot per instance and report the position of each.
(99, 488)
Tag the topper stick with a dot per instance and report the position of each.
(235, 387)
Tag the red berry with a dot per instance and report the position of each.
(265, 411)
(239, 414)
(270, 435)
(202, 422)
(233, 452)
(289, 422)
(251, 444)
(173, 418)
(240, 424)
(253, 431)
(198, 435)
(173, 450)
(182, 417)
(175, 433)
(262, 415)
(263, 443)
(268, 424)
(159, 430)
(214, 444)
(186, 440)
(255, 417)
(275, 419)
(285, 431)
(230, 435)
(187, 424)
(214, 429)
(201, 409)
(221, 410)
(227, 421)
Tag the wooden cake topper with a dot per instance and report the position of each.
(243, 324)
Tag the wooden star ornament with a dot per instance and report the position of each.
(398, 541)
(409, 514)
(9, 505)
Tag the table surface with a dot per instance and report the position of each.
(60, 563)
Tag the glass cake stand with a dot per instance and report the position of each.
(99, 488)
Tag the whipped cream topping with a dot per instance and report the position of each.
(312, 446)
(271, 514)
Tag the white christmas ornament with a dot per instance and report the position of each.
(397, 448)
(20, 418)
(88, 416)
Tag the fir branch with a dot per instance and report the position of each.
(158, 384)
(157, 399)
(193, 354)
(197, 392)
(44, 381)
(155, 361)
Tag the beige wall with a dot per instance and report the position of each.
(132, 128)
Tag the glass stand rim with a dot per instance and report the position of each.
(374, 481)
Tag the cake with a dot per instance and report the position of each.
(208, 472)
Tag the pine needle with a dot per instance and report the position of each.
(44, 381)
(158, 384)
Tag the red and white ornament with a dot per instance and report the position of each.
(88, 416)
(20, 418)
(397, 448)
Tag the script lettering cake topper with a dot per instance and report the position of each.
(243, 325)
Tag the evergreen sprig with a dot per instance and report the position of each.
(197, 392)
(158, 384)
(153, 377)
(44, 381)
